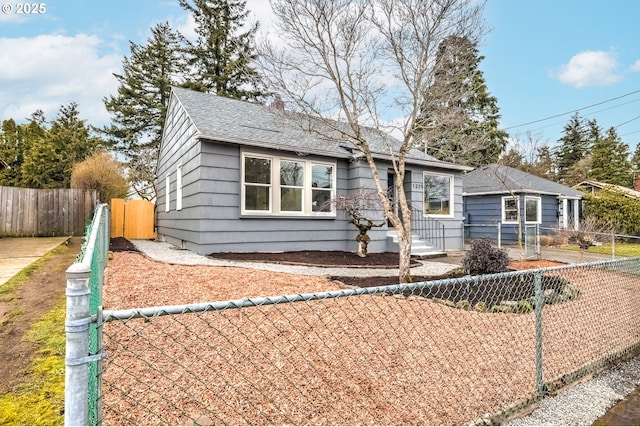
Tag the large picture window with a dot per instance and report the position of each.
(280, 186)
(438, 190)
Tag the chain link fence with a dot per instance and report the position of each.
(85, 280)
(458, 351)
(556, 244)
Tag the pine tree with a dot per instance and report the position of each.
(52, 153)
(574, 144)
(11, 152)
(222, 55)
(459, 118)
(15, 141)
(610, 160)
(635, 160)
(138, 111)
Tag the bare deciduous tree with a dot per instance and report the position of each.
(351, 62)
(359, 208)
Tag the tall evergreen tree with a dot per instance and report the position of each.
(138, 111)
(12, 140)
(635, 160)
(15, 141)
(610, 160)
(49, 161)
(222, 55)
(574, 144)
(459, 117)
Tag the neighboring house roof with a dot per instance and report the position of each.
(230, 120)
(500, 179)
(591, 185)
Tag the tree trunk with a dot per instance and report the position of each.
(404, 241)
(362, 249)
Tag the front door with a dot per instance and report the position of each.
(391, 193)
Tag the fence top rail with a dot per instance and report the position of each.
(152, 312)
(93, 237)
(601, 233)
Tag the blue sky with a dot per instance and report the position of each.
(542, 58)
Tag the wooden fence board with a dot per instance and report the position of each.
(117, 217)
(36, 212)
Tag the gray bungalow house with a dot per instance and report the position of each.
(234, 176)
(494, 194)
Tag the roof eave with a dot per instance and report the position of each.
(328, 153)
(520, 191)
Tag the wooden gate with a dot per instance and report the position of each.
(133, 219)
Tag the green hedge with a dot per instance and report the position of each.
(613, 209)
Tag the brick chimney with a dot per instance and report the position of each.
(277, 103)
(636, 183)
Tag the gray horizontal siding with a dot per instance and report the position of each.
(211, 221)
(484, 210)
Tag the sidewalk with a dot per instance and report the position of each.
(165, 252)
(17, 253)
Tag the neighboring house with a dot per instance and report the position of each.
(494, 194)
(591, 186)
(235, 176)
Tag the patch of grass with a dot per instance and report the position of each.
(622, 249)
(39, 400)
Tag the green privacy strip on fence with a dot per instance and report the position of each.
(94, 254)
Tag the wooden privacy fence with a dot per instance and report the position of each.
(133, 219)
(39, 213)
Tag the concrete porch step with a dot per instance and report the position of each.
(419, 248)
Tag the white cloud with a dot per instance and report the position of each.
(636, 66)
(48, 71)
(589, 68)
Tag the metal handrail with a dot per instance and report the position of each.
(428, 229)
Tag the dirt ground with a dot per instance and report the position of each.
(20, 308)
(317, 258)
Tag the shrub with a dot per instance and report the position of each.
(103, 173)
(483, 258)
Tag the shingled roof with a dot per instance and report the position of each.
(500, 179)
(233, 121)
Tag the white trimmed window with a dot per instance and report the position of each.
(283, 186)
(179, 188)
(510, 208)
(532, 210)
(167, 193)
(438, 192)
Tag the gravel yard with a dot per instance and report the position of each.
(356, 360)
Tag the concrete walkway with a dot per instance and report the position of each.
(17, 253)
(168, 253)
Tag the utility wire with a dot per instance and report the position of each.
(573, 111)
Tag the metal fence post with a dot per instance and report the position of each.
(77, 345)
(539, 297)
(613, 246)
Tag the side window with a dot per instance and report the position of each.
(322, 190)
(533, 210)
(257, 184)
(510, 207)
(167, 193)
(179, 188)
